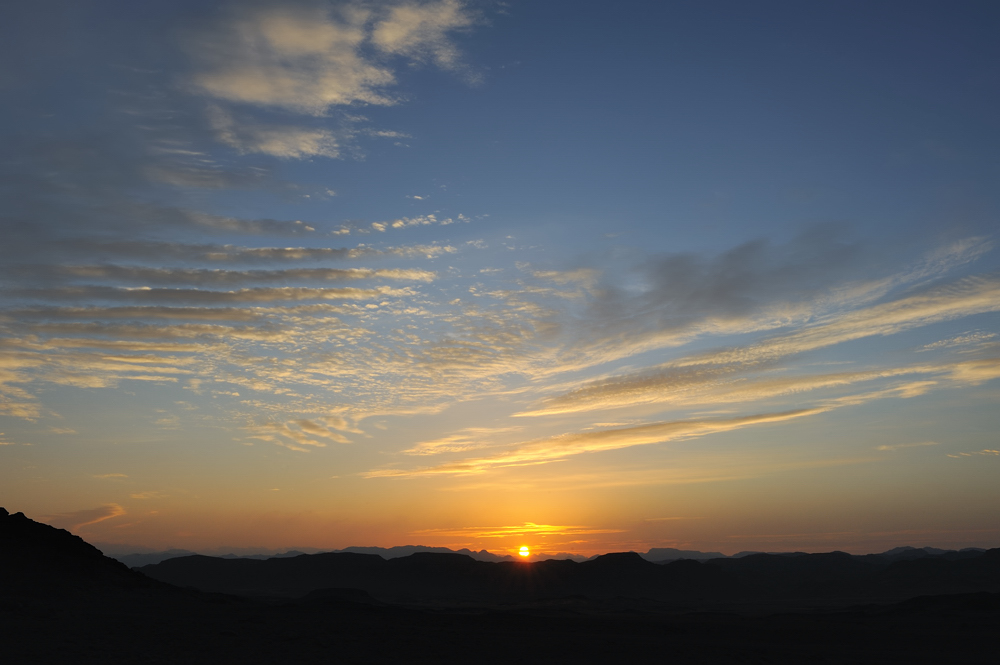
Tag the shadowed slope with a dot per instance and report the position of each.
(38, 558)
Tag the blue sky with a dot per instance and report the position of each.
(582, 276)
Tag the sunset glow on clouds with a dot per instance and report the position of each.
(445, 272)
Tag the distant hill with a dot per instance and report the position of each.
(140, 559)
(407, 550)
(834, 577)
(145, 559)
(670, 554)
(660, 555)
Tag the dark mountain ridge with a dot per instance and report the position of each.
(834, 577)
(656, 554)
(62, 601)
(139, 559)
(39, 559)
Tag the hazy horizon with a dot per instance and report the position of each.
(577, 276)
(119, 549)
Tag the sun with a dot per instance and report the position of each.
(524, 551)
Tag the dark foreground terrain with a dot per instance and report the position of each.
(61, 600)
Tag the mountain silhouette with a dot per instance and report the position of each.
(797, 578)
(37, 558)
(665, 554)
(139, 559)
(61, 600)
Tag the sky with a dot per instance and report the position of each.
(578, 276)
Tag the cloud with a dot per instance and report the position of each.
(551, 449)
(82, 518)
(675, 289)
(93, 249)
(146, 495)
(15, 401)
(975, 372)
(671, 381)
(341, 424)
(985, 451)
(561, 447)
(288, 347)
(419, 30)
(285, 141)
(901, 446)
(217, 277)
(25, 410)
(469, 438)
(309, 57)
(315, 429)
(526, 529)
(420, 220)
(256, 226)
(297, 433)
(668, 301)
(297, 57)
(249, 295)
(186, 313)
(690, 387)
(972, 295)
(585, 276)
(965, 340)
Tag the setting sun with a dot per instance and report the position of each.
(524, 551)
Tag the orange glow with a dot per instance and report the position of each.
(524, 551)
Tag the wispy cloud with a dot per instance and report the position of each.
(585, 276)
(82, 518)
(297, 433)
(551, 449)
(669, 301)
(285, 141)
(205, 277)
(469, 438)
(142, 496)
(421, 220)
(985, 451)
(902, 446)
(966, 340)
(676, 380)
(420, 30)
(562, 447)
(526, 529)
(203, 296)
(158, 250)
